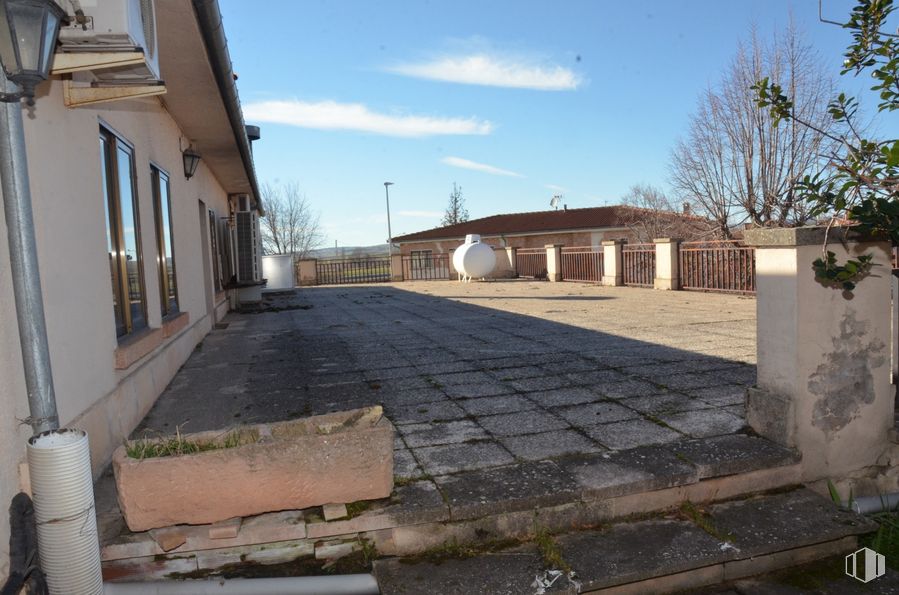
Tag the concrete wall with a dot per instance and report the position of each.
(70, 221)
(574, 238)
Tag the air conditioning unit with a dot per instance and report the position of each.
(114, 26)
(249, 248)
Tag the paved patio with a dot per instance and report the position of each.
(479, 375)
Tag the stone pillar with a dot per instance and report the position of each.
(612, 264)
(824, 383)
(512, 256)
(396, 267)
(453, 273)
(554, 262)
(503, 268)
(667, 274)
(306, 274)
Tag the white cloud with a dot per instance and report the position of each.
(482, 167)
(423, 214)
(493, 70)
(331, 115)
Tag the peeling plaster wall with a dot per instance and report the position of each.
(823, 359)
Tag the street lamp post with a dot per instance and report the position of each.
(387, 186)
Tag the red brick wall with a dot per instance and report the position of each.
(584, 238)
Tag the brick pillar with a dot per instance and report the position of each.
(554, 262)
(396, 267)
(823, 354)
(667, 275)
(306, 274)
(612, 265)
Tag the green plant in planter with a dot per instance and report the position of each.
(177, 445)
(861, 182)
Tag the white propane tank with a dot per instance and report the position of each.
(474, 259)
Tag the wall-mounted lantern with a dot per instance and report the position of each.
(28, 31)
(191, 161)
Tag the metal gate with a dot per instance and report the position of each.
(343, 272)
(426, 267)
(582, 263)
(725, 266)
(639, 262)
(531, 262)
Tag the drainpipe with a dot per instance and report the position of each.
(26, 278)
(340, 584)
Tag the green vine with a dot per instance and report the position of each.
(845, 276)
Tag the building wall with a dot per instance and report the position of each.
(574, 238)
(65, 170)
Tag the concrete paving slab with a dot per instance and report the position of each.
(503, 573)
(564, 396)
(497, 405)
(737, 453)
(449, 432)
(629, 552)
(792, 519)
(704, 422)
(526, 486)
(631, 434)
(647, 468)
(536, 447)
(467, 456)
(595, 413)
(423, 412)
(525, 422)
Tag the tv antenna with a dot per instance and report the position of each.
(555, 201)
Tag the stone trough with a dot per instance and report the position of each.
(335, 458)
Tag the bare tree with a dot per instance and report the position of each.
(651, 214)
(290, 226)
(455, 210)
(735, 166)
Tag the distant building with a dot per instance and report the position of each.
(570, 227)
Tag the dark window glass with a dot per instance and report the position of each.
(123, 234)
(165, 256)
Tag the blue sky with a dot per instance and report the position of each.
(585, 97)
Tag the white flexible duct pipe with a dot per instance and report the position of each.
(63, 493)
(347, 584)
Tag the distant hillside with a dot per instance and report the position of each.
(379, 250)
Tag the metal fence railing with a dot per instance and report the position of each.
(724, 266)
(531, 262)
(429, 267)
(582, 263)
(342, 272)
(639, 264)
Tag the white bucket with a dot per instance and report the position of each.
(63, 493)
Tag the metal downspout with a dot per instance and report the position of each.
(23, 259)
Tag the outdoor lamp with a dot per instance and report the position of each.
(28, 30)
(191, 161)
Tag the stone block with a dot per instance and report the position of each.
(771, 415)
(227, 529)
(333, 512)
(628, 471)
(527, 486)
(284, 471)
(738, 453)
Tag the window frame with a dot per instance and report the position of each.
(169, 305)
(114, 225)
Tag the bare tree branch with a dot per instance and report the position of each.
(736, 166)
(290, 226)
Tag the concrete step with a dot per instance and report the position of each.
(686, 549)
(491, 504)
